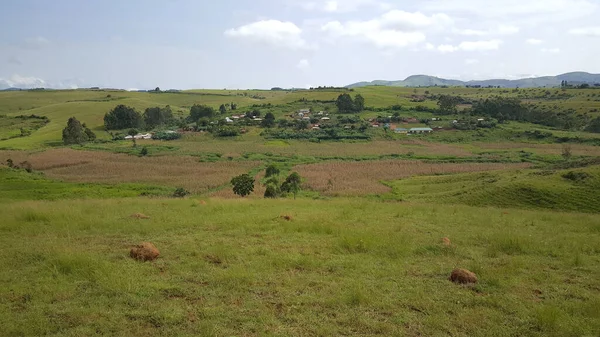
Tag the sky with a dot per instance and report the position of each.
(246, 44)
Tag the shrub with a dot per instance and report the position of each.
(144, 151)
(243, 185)
(272, 170)
(122, 117)
(180, 193)
(166, 135)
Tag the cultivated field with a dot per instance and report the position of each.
(364, 178)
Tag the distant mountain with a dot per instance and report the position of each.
(574, 78)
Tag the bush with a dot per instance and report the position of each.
(272, 170)
(144, 151)
(243, 185)
(122, 117)
(180, 193)
(271, 192)
(166, 135)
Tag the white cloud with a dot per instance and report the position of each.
(471, 61)
(429, 46)
(38, 42)
(272, 32)
(534, 41)
(485, 45)
(303, 64)
(587, 31)
(500, 30)
(551, 50)
(18, 81)
(446, 48)
(535, 11)
(339, 6)
(394, 29)
(480, 45)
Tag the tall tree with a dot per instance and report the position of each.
(75, 133)
(154, 117)
(222, 109)
(122, 117)
(359, 103)
(201, 111)
(345, 104)
(269, 120)
(292, 184)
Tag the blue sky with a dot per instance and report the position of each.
(260, 44)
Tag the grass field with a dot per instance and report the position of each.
(339, 267)
(357, 252)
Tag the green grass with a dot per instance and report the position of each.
(340, 267)
(20, 185)
(575, 190)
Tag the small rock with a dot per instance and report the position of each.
(287, 217)
(144, 252)
(446, 242)
(463, 276)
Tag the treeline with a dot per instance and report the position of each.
(346, 104)
(125, 117)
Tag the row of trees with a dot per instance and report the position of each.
(125, 117)
(243, 184)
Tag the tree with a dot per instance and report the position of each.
(222, 109)
(447, 105)
(271, 192)
(243, 185)
(292, 184)
(122, 117)
(76, 133)
(201, 111)
(132, 133)
(272, 170)
(268, 121)
(157, 89)
(594, 125)
(344, 103)
(359, 103)
(144, 152)
(154, 117)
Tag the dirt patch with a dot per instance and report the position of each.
(139, 216)
(463, 276)
(287, 217)
(145, 251)
(446, 242)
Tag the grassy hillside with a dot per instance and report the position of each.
(568, 190)
(339, 267)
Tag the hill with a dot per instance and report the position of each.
(535, 82)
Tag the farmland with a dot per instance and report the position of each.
(357, 250)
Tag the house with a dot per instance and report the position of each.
(304, 111)
(411, 120)
(420, 130)
(325, 118)
(481, 119)
(228, 120)
(401, 130)
(306, 118)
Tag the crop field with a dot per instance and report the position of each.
(361, 244)
(101, 167)
(363, 178)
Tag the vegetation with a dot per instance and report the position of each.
(243, 185)
(122, 117)
(359, 250)
(76, 133)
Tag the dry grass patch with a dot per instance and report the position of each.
(360, 178)
(551, 149)
(103, 167)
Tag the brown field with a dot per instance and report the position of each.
(361, 178)
(103, 167)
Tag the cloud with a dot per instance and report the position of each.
(587, 31)
(471, 61)
(472, 46)
(551, 50)
(303, 64)
(534, 41)
(394, 29)
(339, 6)
(14, 60)
(499, 30)
(18, 81)
(536, 11)
(272, 32)
(38, 42)
(446, 48)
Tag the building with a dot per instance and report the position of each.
(401, 130)
(304, 111)
(420, 130)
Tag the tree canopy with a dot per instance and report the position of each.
(201, 111)
(346, 104)
(122, 117)
(154, 117)
(243, 185)
(76, 133)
